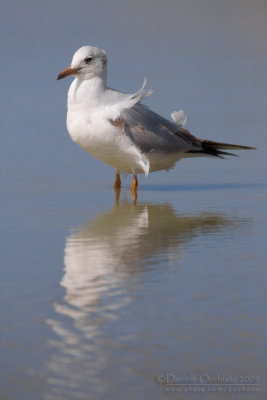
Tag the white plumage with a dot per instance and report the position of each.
(118, 130)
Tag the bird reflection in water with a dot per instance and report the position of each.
(124, 240)
(104, 264)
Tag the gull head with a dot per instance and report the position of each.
(87, 63)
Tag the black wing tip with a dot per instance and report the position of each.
(220, 145)
(213, 153)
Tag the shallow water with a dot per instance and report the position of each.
(104, 298)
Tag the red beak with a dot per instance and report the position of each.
(66, 72)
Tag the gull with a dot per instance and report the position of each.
(119, 130)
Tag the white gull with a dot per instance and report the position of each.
(120, 131)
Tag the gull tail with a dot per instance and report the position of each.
(210, 148)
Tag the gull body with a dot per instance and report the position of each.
(119, 130)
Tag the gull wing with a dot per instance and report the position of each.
(148, 130)
(153, 133)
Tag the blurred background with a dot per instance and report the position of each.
(99, 297)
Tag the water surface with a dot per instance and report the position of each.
(104, 298)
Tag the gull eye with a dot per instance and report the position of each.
(88, 59)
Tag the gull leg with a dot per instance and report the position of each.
(117, 186)
(135, 183)
(134, 188)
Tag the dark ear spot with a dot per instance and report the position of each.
(88, 59)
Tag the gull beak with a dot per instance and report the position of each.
(66, 72)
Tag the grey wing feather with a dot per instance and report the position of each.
(153, 133)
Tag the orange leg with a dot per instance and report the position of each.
(117, 187)
(135, 183)
(134, 188)
(117, 183)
